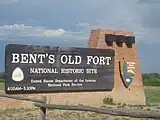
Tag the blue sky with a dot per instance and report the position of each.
(68, 23)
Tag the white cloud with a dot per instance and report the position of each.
(128, 15)
(24, 30)
(85, 25)
(58, 32)
(125, 15)
(21, 30)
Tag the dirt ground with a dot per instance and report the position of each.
(33, 114)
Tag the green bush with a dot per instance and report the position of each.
(108, 100)
(2, 80)
(151, 82)
(151, 79)
(2, 75)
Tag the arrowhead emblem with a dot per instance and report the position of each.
(17, 74)
(127, 75)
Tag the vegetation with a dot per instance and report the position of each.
(58, 115)
(2, 81)
(151, 79)
(108, 100)
(1, 86)
(152, 95)
(2, 75)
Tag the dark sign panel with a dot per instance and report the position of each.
(40, 69)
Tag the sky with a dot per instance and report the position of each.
(67, 23)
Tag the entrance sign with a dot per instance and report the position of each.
(53, 69)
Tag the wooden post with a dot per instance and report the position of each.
(43, 109)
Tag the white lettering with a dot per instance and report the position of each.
(63, 70)
(78, 59)
(102, 61)
(95, 60)
(89, 59)
(98, 60)
(108, 59)
(43, 70)
(91, 71)
(51, 59)
(41, 56)
(33, 58)
(69, 59)
(15, 58)
(64, 59)
(24, 58)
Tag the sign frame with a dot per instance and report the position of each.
(43, 49)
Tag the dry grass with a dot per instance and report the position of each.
(33, 113)
(59, 115)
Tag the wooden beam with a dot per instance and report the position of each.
(109, 111)
(20, 98)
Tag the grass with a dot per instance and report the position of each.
(152, 94)
(2, 80)
(151, 82)
(1, 86)
(59, 115)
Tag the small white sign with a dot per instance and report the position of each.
(17, 74)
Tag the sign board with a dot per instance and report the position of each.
(40, 69)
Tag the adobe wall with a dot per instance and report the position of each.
(135, 93)
(120, 94)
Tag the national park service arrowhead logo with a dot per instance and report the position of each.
(17, 74)
(127, 72)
